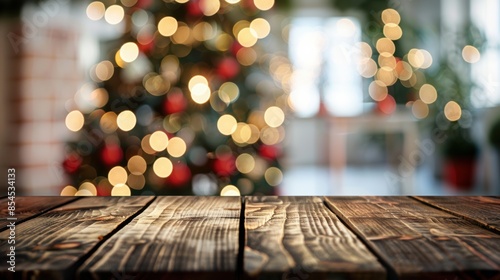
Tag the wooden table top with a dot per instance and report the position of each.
(252, 238)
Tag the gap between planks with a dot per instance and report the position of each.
(82, 260)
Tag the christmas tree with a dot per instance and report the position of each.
(187, 101)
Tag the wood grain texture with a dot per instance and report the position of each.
(300, 238)
(481, 209)
(174, 238)
(27, 207)
(419, 241)
(51, 245)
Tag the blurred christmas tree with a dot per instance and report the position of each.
(183, 104)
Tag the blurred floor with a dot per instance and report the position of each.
(354, 180)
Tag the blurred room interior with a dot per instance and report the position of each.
(322, 97)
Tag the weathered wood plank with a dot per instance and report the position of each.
(174, 238)
(26, 207)
(300, 238)
(52, 245)
(482, 209)
(419, 241)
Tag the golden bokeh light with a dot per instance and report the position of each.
(167, 26)
(126, 120)
(182, 35)
(367, 67)
(156, 84)
(261, 27)
(385, 46)
(229, 92)
(270, 136)
(377, 90)
(274, 116)
(158, 141)
(118, 59)
(89, 187)
(104, 70)
(246, 56)
(230, 190)
(95, 10)
(136, 182)
(117, 175)
(226, 124)
(419, 109)
(163, 167)
(200, 91)
(243, 133)
(416, 58)
(393, 31)
(390, 16)
(137, 165)
(232, 1)
(209, 7)
(99, 97)
(237, 27)
(203, 31)
(223, 42)
(68, 191)
(471, 54)
(386, 76)
(245, 163)
(74, 120)
(387, 61)
(247, 37)
(114, 14)
(129, 52)
(121, 190)
(273, 176)
(176, 147)
(128, 3)
(108, 122)
(427, 93)
(83, 192)
(145, 146)
(452, 111)
(263, 5)
(404, 71)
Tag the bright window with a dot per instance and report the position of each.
(323, 53)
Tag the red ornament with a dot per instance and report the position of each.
(148, 47)
(224, 165)
(104, 189)
(228, 68)
(235, 48)
(111, 154)
(174, 103)
(387, 106)
(269, 152)
(180, 175)
(72, 163)
(143, 3)
(194, 8)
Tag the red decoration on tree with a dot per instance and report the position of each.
(144, 4)
(236, 47)
(269, 152)
(111, 154)
(194, 9)
(224, 165)
(72, 163)
(228, 68)
(180, 175)
(175, 102)
(387, 106)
